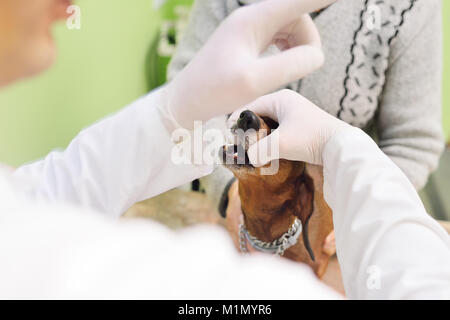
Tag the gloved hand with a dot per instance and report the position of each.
(229, 72)
(304, 129)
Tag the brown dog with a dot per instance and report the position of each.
(271, 203)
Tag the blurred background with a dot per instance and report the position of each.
(119, 54)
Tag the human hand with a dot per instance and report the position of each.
(229, 71)
(304, 129)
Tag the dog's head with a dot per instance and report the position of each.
(247, 130)
(289, 189)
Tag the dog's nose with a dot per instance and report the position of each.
(248, 120)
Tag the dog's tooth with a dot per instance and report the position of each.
(229, 148)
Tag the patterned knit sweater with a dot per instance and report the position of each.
(382, 71)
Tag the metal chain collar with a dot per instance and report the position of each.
(278, 246)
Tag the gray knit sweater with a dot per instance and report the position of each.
(382, 70)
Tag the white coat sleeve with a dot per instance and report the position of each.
(59, 252)
(115, 163)
(387, 245)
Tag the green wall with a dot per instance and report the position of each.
(101, 68)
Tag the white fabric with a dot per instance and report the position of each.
(387, 245)
(65, 251)
(117, 162)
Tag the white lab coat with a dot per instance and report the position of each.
(59, 238)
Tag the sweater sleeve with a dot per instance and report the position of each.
(409, 120)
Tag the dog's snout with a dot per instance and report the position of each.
(248, 120)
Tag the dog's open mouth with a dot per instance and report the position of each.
(245, 131)
(236, 156)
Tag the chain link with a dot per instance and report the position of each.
(242, 240)
(278, 246)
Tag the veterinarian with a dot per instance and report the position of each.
(57, 235)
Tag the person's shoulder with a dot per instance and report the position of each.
(409, 18)
(414, 12)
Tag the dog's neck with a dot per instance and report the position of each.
(267, 204)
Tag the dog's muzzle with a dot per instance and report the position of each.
(236, 154)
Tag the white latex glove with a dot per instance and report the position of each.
(304, 129)
(229, 71)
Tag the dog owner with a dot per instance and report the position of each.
(54, 244)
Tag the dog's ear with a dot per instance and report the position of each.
(304, 206)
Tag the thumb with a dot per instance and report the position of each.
(265, 150)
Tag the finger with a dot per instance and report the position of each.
(265, 150)
(265, 106)
(270, 16)
(302, 32)
(329, 246)
(276, 71)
